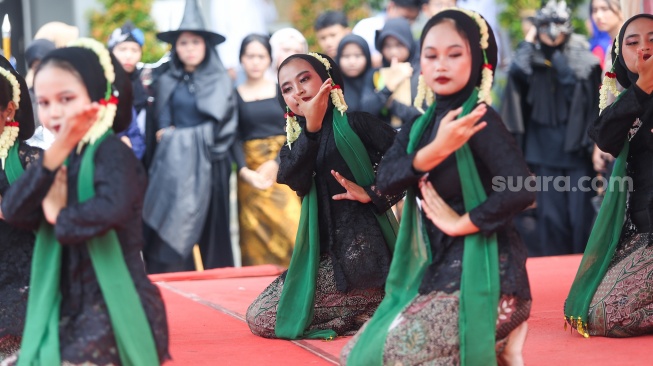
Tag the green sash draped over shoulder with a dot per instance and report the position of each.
(13, 168)
(40, 344)
(296, 304)
(480, 287)
(600, 249)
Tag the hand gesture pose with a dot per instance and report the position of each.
(452, 134)
(68, 134)
(354, 191)
(644, 65)
(315, 108)
(442, 215)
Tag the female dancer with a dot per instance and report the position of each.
(16, 245)
(346, 231)
(611, 295)
(90, 300)
(461, 258)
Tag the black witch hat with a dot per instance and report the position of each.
(192, 22)
(24, 114)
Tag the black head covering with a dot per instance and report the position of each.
(320, 69)
(87, 64)
(467, 25)
(624, 76)
(192, 22)
(37, 50)
(400, 29)
(362, 83)
(24, 115)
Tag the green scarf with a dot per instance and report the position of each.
(13, 167)
(40, 345)
(296, 304)
(600, 249)
(479, 289)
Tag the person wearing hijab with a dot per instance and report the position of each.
(353, 57)
(90, 299)
(549, 101)
(396, 81)
(126, 45)
(17, 245)
(268, 212)
(611, 295)
(459, 258)
(187, 200)
(346, 231)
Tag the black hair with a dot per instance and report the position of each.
(409, 3)
(330, 18)
(6, 96)
(260, 38)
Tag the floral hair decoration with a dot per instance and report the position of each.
(609, 83)
(292, 127)
(10, 131)
(108, 105)
(484, 93)
(337, 97)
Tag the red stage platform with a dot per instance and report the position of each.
(206, 312)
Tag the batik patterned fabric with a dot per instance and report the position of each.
(426, 332)
(623, 303)
(268, 218)
(342, 312)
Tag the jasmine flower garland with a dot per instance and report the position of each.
(337, 97)
(10, 131)
(108, 105)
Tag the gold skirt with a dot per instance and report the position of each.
(268, 218)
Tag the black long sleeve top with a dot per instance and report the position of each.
(611, 130)
(349, 231)
(496, 155)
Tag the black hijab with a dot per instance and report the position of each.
(87, 64)
(624, 76)
(400, 29)
(363, 83)
(320, 69)
(467, 26)
(24, 115)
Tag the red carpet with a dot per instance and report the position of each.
(206, 315)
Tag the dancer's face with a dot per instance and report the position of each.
(60, 94)
(298, 78)
(638, 36)
(446, 59)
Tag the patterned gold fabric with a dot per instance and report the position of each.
(268, 218)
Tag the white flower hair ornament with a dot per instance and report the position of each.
(609, 83)
(292, 127)
(108, 105)
(487, 77)
(337, 97)
(10, 131)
